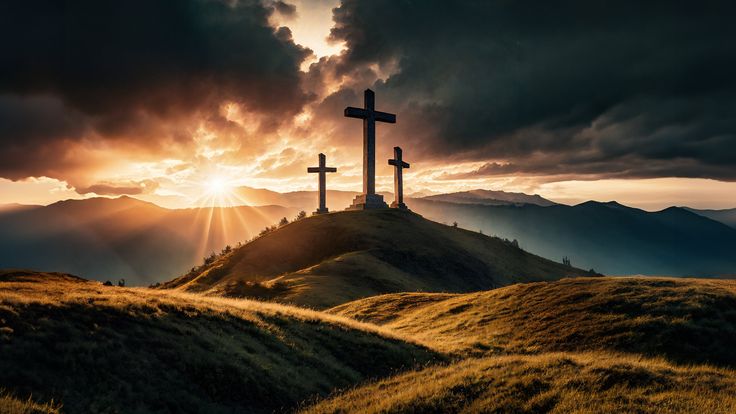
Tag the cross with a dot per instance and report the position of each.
(322, 170)
(399, 166)
(370, 116)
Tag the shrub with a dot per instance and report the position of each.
(284, 221)
(210, 259)
(302, 214)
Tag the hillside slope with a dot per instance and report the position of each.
(584, 345)
(103, 238)
(548, 383)
(727, 216)
(684, 320)
(609, 237)
(330, 259)
(94, 348)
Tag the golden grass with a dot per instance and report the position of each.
(546, 383)
(685, 320)
(583, 345)
(94, 347)
(12, 405)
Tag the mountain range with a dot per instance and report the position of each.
(104, 238)
(143, 243)
(609, 237)
(727, 216)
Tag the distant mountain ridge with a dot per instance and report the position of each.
(127, 238)
(727, 216)
(102, 238)
(490, 197)
(339, 200)
(610, 237)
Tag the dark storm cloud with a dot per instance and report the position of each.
(285, 9)
(601, 88)
(126, 68)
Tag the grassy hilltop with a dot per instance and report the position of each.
(95, 348)
(630, 345)
(685, 320)
(326, 260)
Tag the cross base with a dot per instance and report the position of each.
(399, 205)
(368, 202)
(321, 211)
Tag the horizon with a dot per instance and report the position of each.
(645, 145)
(410, 196)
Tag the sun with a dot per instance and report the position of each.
(217, 186)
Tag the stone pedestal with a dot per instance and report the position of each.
(399, 205)
(368, 202)
(321, 211)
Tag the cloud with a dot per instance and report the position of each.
(634, 89)
(130, 188)
(137, 73)
(285, 9)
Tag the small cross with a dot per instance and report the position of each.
(322, 170)
(399, 166)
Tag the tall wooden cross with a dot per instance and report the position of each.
(369, 115)
(322, 170)
(399, 166)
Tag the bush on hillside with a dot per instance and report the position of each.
(210, 259)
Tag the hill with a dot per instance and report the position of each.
(727, 216)
(490, 198)
(645, 345)
(94, 348)
(330, 259)
(609, 237)
(103, 238)
(548, 383)
(685, 320)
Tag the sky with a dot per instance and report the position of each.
(172, 100)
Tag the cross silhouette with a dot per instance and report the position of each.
(370, 116)
(322, 170)
(399, 166)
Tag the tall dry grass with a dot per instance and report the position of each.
(12, 405)
(97, 348)
(547, 383)
(685, 320)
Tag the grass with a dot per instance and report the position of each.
(578, 345)
(326, 260)
(684, 320)
(546, 383)
(12, 405)
(97, 348)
